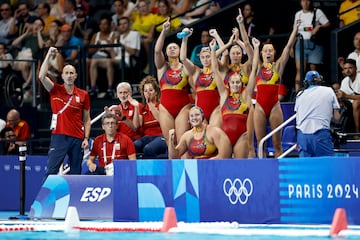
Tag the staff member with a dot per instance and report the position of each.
(70, 122)
(110, 146)
(314, 107)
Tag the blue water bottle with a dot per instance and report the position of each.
(181, 35)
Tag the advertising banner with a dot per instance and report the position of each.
(91, 195)
(312, 188)
(205, 190)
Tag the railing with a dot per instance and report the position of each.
(262, 141)
(33, 81)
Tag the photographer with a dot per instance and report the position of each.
(314, 107)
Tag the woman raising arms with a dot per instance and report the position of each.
(203, 81)
(174, 100)
(235, 103)
(268, 78)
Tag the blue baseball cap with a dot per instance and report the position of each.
(311, 76)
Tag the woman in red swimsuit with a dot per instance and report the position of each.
(201, 142)
(267, 105)
(174, 100)
(237, 67)
(203, 81)
(235, 103)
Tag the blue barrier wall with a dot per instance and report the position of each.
(291, 190)
(10, 179)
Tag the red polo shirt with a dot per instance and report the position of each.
(123, 148)
(128, 111)
(70, 121)
(21, 130)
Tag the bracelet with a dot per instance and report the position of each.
(86, 138)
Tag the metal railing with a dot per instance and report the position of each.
(270, 134)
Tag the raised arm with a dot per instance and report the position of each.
(137, 119)
(45, 81)
(255, 63)
(190, 67)
(247, 46)
(281, 62)
(223, 92)
(159, 57)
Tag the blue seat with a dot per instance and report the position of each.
(288, 137)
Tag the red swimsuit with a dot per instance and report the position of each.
(174, 91)
(234, 117)
(207, 95)
(267, 89)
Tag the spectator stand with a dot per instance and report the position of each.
(341, 43)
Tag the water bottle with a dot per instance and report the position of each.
(181, 35)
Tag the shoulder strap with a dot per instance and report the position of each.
(313, 22)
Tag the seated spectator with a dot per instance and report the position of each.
(83, 26)
(69, 12)
(201, 9)
(180, 6)
(350, 90)
(164, 12)
(4, 56)
(54, 33)
(350, 16)
(2, 124)
(85, 4)
(101, 57)
(22, 19)
(5, 23)
(201, 142)
(43, 11)
(56, 8)
(120, 11)
(9, 145)
(144, 22)
(125, 111)
(195, 54)
(152, 144)
(30, 42)
(69, 43)
(353, 55)
(131, 41)
(109, 146)
(20, 127)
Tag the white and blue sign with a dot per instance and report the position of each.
(91, 195)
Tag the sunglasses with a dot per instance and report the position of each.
(4, 9)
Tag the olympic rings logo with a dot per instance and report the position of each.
(237, 190)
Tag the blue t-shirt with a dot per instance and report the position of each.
(73, 42)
